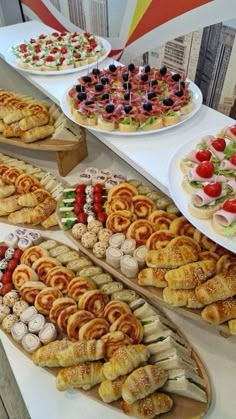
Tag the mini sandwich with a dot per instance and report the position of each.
(143, 309)
(186, 383)
(154, 324)
(174, 358)
(161, 341)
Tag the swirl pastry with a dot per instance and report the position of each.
(59, 277)
(119, 203)
(130, 325)
(119, 221)
(204, 241)
(7, 190)
(162, 219)
(116, 240)
(126, 295)
(78, 264)
(3, 169)
(36, 323)
(26, 183)
(115, 309)
(45, 299)
(159, 239)
(143, 206)
(140, 255)
(90, 271)
(94, 301)
(76, 321)
(123, 189)
(80, 285)
(101, 279)
(94, 329)
(140, 230)
(182, 227)
(46, 355)
(28, 314)
(129, 266)
(43, 265)
(32, 254)
(9, 176)
(84, 375)
(18, 331)
(63, 317)
(224, 263)
(48, 333)
(115, 340)
(58, 306)
(209, 255)
(112, 287)
(30, 342)
(30, 290)
(128, 247)
(113, 256)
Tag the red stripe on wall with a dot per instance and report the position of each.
(44, 14)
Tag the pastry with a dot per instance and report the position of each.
(119, 203)
(19, 307)
(162, 219)
(4, 311)
(149, 407)
(110, 391)
(63, 317)
(48, 333)
(34, 215)
(77, 264)
(144, 189)
(90, 271)
(10, 204)
(123, 189)
(26, 183)
(79, 285)
(140, 230)
(90, 350)
(18, 331)
(11, 240)
(76, 321)
(153, 276)
(32, 121)
(102, 279)
(68, 257)
(8, 322)
(99, 249)
(58, 250)
(128, 247)
(159, 239)
(45, 298)
(84, 375)
(182, 227)
(89, 239)
(209, 255)
(104, 235)
(232, 326)
(93, 329)
(21, 233)
(130, 325)
(129, 266)
(124, 360)
(35, 237)
(78, 230)
(48, 244)
(220, 312)
(60, 278)
(143, 311)
(115, 340)
(50, 221)
(95, 226)
(119, 221)
(29, 290)
(36, 323)
(181, 298)
(7, 190)
(111, 287)
(32, 254)
(140, 255)
(113, 256)
(31, 199)
(43, 265)
(126, 295)
(9, 176)
(11, 298)
(142, 382)
(143, 206)
(115, 309)
(190, 275)
(30, 342)
(116, 240)
(94, 301)
(58, 306)
(16, 115)
(28, 314)
(37, 133)
(23, 274)
(24, 243)
(219, 287)
(46, 355)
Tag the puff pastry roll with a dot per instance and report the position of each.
(17, 115)
(46, 355)
(84, 375)
(51, 221)
(153, 276)
(149, 407)
(220, 287)
(10, 204)
(190, 275)
(220, 312)
(37, 120)
(32, 199)
(81, 351)
(181, 298)
(37, 133)
(6, 191)
(110, 391)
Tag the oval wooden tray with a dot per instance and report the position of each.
(183, 407)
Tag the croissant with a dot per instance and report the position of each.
(51, 221)
(125, 360)
(190, 275)
(149, 407)
(46, 355)
(6, 191)
(81, 351)
(153, 276)
(110, 391)
(84, 375)
(220, 312)
(12, 130)
(40, 118)
(10, 204)
(181, 298)
(220, 287)
(142, 382)
(16, 115)
(35, 215)
(31, 199)
(37, 133)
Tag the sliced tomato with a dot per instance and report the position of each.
(205, 169)
(233, 159)
(230, 205)
(219, 144)
(213, 189)
(203, 155)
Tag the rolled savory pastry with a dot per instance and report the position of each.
(140, 230)
(43, 265)
(48, 244)
(7, 190)
(112, 287)
(28, 314)
(9, 176)
(60, 278)
(140, 255)
(24, 243)
(32, 121)
(9, 205)
(30, 342)
(84, 375)
(68, 257)
(58, 306)
(123, 189)
(99, 249)
(181, 298)
(143, 206)
(46, 355)
(35, 237)
(115, 340)
(63, 317)
(76, 321)
(78, 230)
(37, 133)
(8, 322)
(36, 323)
(113, 256)
(149, 407)
(90, 271)
(32, 254)
(142, 382)
(18, 331)
(115, 309)
(26, 183)
(220, 312)
(17, 115)
(129, 266)
(190, 275)
(59, 250)
(126, 295)
(119, 203)
(79, 263)
(50, 221)
(94, 329)
(31, 199)
(48, 333)
(34, 215)
(81, 351)
(219, 287)
(4, 311)
(45, 299)
(79, 285)
(119, 221)
(110, 391)
(94, 301)
(153, 277)
(159, 239)
(102, 279)
(19, 307)
(130, 325)
(128, 247)
(124, 360)
(11, 240)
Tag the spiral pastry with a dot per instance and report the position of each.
(26, 183)
(30, 290)
(43, 265)
(159, 239)
(94, 301)
(32, 254)
(48, 333)
(94, 329)
(115, 309)
(18, 331)
(225, 262)
(63, 317)
(182, 227)
(143, 206)
(58, 306)
(204, 241)
(130, 325)
(128, 247)
(23, 274)
(30, 342)
(115, 340)
(116, 240)
(76, 321)
(3, 169)
(79, 286)
(119, 221)
(112, 287)
(162, 219)
(140, 230)
(59, 277)
(10, 175)
(36, 323)
(123, 189)
(119, 203)
(125, 295)
(209, 255)
(45, 299)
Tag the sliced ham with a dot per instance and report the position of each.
(200, 198)
(193, 176)
(219, 154)
(224, 218)
(208, 139)
(227, 165)
(192, 156)
(232, 185)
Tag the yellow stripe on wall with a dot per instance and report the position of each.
(140, 9)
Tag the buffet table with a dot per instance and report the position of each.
(147, 156)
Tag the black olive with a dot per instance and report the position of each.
(96, 71)
(87, 79)
(79, 88)
(144, 77)
(112, 68)
(168, 101)
(105, 96)
(110, 108)
(127, 108)
(153, 82)
(99, 87)
(104, 80)
(131, 67)
(147, 106)
(178, 93)
(147, 69)
(151, 95)
(127, 85)
(125, 76)
(176, 77)
(182, 84)
(127, 95)
(81, 96)
(163, 70)
(89, 102)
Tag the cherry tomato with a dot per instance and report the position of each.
(3, 250)
(233, 129)
(213, 189)
(203, 155)
(97, 207)
(78, 208)
(102, 216)
(7, 278)
(230, 205)
(233, 159)
(12, 264)
(98, 188)
(205, 169)
(17, 254)
(219, 144)
(80, 189)
(82, 218)
(80, 199)
(97, 197)
(5, 289)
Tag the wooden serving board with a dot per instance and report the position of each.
(183, 407)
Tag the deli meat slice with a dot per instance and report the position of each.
(227, 165)
(224, 218)
(193, 176)
(232, 185)
(200, 198)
